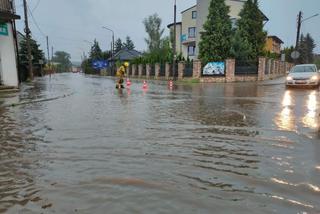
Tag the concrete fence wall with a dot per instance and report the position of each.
(267, 69)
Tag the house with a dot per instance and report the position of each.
(273, 44)
(8, 45)
(126, 55)
(193, 19)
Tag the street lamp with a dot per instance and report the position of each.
(112, 51)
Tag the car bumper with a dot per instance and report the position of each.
(302, 83)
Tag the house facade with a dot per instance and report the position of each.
(8, 52)
(192, 23)
(273, 44)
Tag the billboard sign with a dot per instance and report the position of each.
(100, 64)
(214, 69)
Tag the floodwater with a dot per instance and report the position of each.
(81, 146)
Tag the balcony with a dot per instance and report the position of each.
(7, 11)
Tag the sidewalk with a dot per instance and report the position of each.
(277, 81)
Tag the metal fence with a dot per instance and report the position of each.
(246, 67)
(176, 74)
(152, 70)
(188, 70)
(162, 70)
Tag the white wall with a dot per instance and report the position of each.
(8, 64)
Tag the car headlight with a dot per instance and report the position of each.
(289, 78)
(314, 78)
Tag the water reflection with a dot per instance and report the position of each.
(286, 120)
(311, 118)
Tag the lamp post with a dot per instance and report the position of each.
(112, 49)
(174, 39)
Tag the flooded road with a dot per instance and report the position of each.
(80, 146)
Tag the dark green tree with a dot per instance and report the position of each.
(63, 61)
(215, 42)
(37, 56)
(240, 48)
(96, 52)
(306, 49)
(288, 51)
(154, 30)
(310, 45)
(118, 45)
(129, 43)
(250, 27)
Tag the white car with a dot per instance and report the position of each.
(304, 75)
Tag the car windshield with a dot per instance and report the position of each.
(303, 69)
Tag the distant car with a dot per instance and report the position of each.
(304, 75)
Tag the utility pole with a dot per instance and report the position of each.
(298, 29)
(51, 53)
(174, 40)
(49, 64)
(28, 38)
(48, 50)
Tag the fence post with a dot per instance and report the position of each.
(157, 70)
(140, 68)
(148, 70)
(181, 67)
(134, 68)
(230, 70)
(168, 70)
(261, 68)
(197, 69)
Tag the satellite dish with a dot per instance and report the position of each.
(295, 55)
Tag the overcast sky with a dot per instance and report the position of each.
(69, 22)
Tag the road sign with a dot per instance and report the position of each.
(4, 29)
(295, 55)
(41, 62)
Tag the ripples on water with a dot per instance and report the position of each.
(196, 149)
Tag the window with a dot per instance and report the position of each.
(192, 32)
(234, 23)
(191, 50)
(194, 14)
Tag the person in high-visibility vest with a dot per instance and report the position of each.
(121, 74)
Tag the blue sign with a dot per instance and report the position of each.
(183, 37)
(214, 69)
(100, 64)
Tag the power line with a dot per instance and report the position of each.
(36, 24)
(38, 3)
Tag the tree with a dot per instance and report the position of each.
(306, 49)
(153, 28)
(37, 55)
(118, 45)
(250, 27)
(288, 51)
(215, 42)
(240, 48)
(129, 43)
(96, 52)
(63, 61)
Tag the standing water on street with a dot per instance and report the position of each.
(235, 148)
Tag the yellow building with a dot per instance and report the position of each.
(273, 44)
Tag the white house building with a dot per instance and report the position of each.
(193, 19)
(8, 56)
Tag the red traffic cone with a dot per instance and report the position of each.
(145, 85)
(171, 84)
(128, 82)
